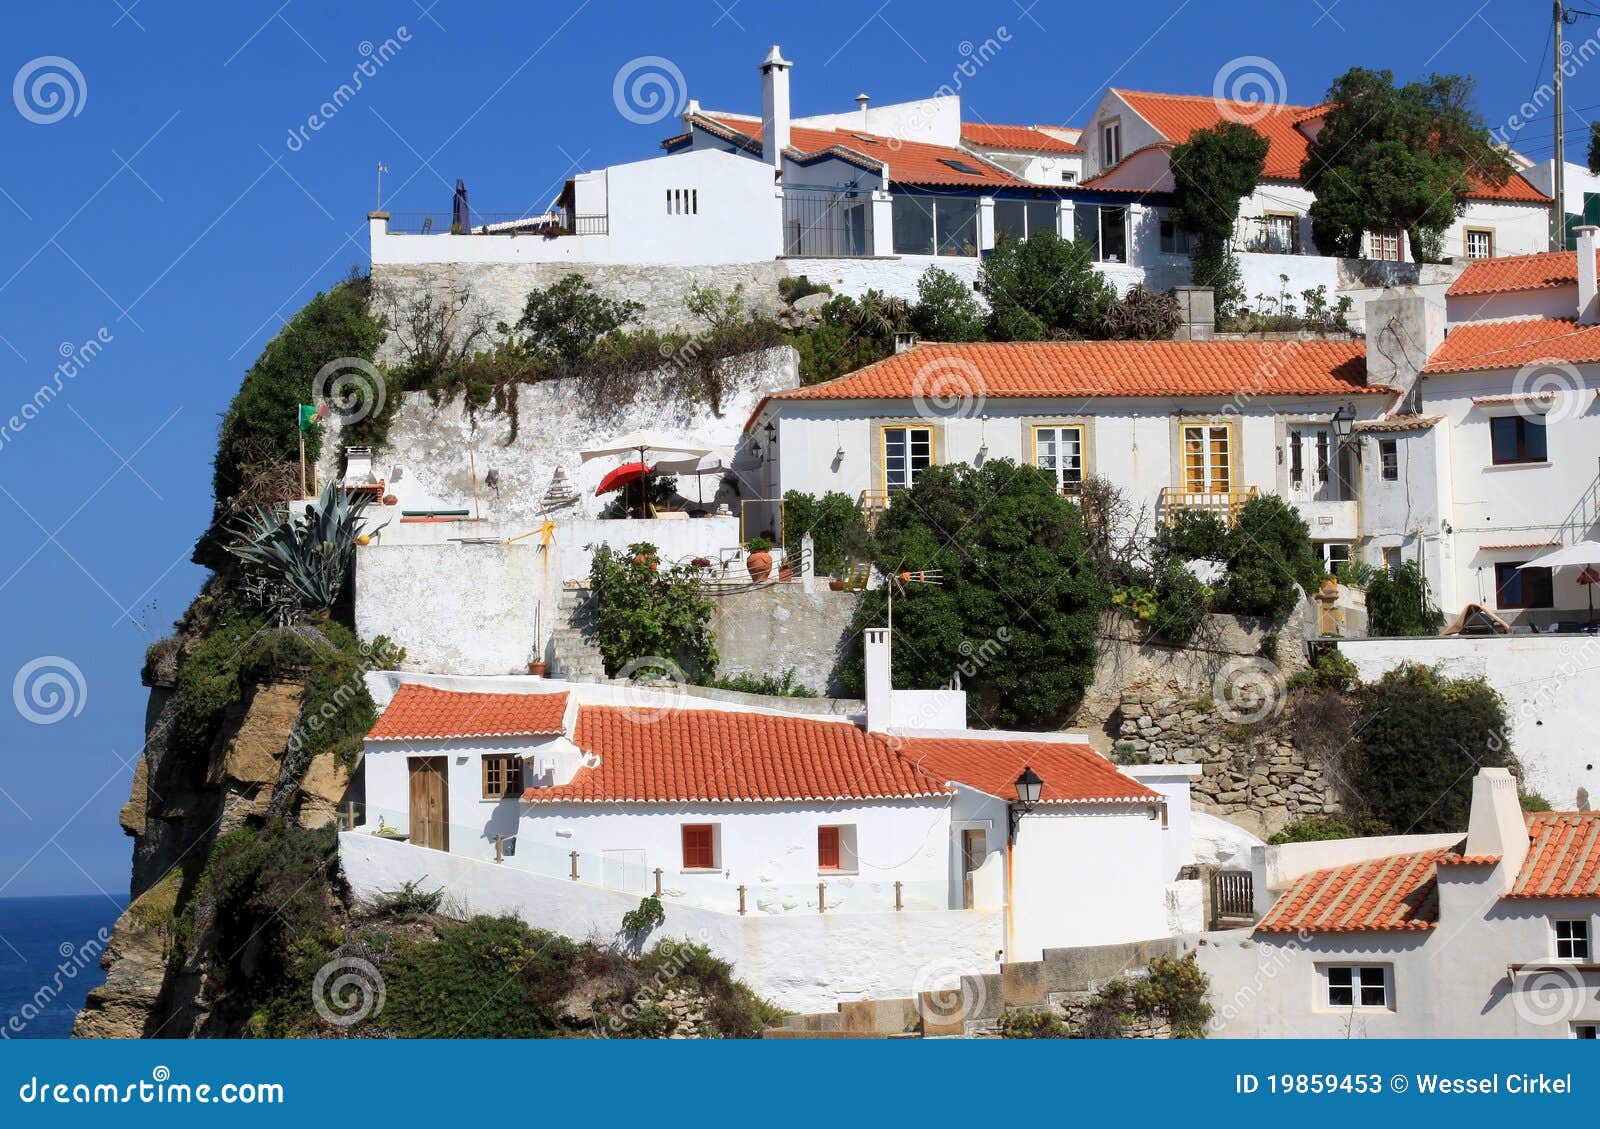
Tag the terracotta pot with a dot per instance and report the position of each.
(760, 565)
(390, 500)
(836, 586)
(701, 562)
(785, 572)
(537, 669)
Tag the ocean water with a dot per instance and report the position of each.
(50, 952)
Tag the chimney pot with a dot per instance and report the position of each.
(862, 100)
(774, 107)
(880, 683)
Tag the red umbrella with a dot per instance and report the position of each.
(624, 474)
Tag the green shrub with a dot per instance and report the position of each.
(645, 917)
(1030, 1024)
(838, 531)
(785, 685)
(1194, 535)
(1175, 990)
(1043, 287)
(408, 900)
(562, 322)
(646, 611)
(945, 309)
(1398, 604)
(1322, 828)
(792, 288)
(1532, 801)
(1272, 562)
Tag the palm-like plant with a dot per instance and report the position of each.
(300, 563)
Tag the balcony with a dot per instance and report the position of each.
(873, 506)
(1224, 504)
(548, 224)
(821, 223)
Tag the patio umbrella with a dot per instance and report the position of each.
(460, 215)
(718, 462)
(1584, 555)
(617, 479)
(651, 446)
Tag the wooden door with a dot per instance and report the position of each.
(974, 847)
(430, 802)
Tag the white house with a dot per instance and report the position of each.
(1175, 424)
(759, 813)
(1490, 936)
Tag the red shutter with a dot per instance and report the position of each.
(697, 847)
(827, 848)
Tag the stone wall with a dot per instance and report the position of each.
(1254, 775)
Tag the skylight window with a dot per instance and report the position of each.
(961, 166)
(868, 140)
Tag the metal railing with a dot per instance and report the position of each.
(1581, 518)
(874, 504)
(547, 224)
(1225, 504)
(819, 223)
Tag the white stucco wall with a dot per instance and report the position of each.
(1519, 229)
(802, 962)
(1550, 684)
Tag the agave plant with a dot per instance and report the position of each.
(301, 562)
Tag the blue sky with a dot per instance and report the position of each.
(168, 217)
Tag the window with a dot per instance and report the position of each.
(683, 201)
(1385, 244)
(1310, 451)
(700, 846)
(1068, 176)
(1059, 450)
(1282, 234)
(1357, 986)
(827, 848)
(1333, 553)
(907, 452)
(1391, 559)
(1572, 939)
(1022, 218)
(1110, 144)
(963, 167)
(502, 777)
(1113, 235)
(1207, 465)
(935, 225)
(1389, 459)
(1518, 587)
(1584, 1030)
(1517, 439)
(1480, 244)
(1175, 240)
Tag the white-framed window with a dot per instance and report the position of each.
(1385, 245)
(1356, 985)
(1283, 233)
(1480, 243)
(1572, 938)
(1022, 218)
(1059, 450)
(1334, 553)
(1207, 458)
(1110, 144)
(907, 452)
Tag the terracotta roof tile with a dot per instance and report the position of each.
(725, 756)
(1398, 893)
(1563, 857)
(1541, 271)
(1071, 773)
(909, 162)
(1176, 116)
(1397, 423)
(419, 712)
(1107, 368)
(1475, 346)
(1022, 138)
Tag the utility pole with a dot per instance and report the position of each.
(1558, 214)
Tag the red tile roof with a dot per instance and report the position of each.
(1395, 894)
(1105, 368)
(722, 756)
(909, 162)
(1397, 423)
(1475, 346)
(419, 712)
(1176, 116)
(1541, 271)
(1563, 857)
(1021, 138)
(1072, 774)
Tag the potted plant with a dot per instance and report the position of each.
(759, 561)
(537, 667)
(701, 562)
(785, 571)
(836, 585)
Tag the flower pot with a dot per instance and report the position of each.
(537, 669)
(836, 586)
(760, 565)
(701, 562)
(785, 572)
(642, 558)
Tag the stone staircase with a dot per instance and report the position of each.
(1065, 980)
(573, 653)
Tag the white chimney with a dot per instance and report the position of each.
(1404, 327)
(1497, 825)
(1588, 313)
(862, 100)
(880, 683)
(774, 107)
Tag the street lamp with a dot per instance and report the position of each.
(1029, 787)
(1344, 421)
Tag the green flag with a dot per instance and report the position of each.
(308, 417)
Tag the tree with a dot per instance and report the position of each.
(1017, 612)
(1397, 157)
(1594, 147)
(945, 309)
(1422, 739)
(1271, 561)
(838, 531)
(849, 334)
(1043, 287)
(1211, 173)
(1397, 603)
(644, 611)
(561, 323)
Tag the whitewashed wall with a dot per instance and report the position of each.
(1519, 229)
(1550, 685)
(802, 962)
